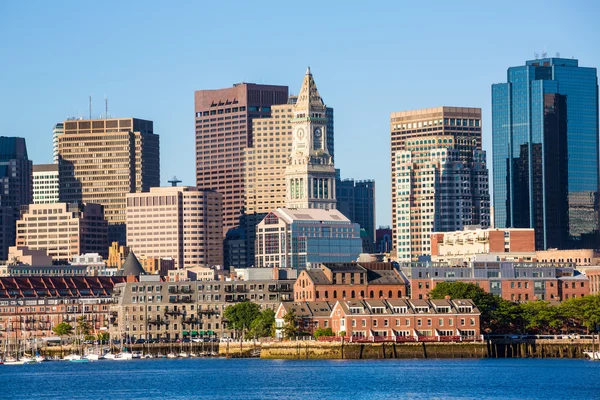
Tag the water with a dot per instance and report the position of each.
(217, 379)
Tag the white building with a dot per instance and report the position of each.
(58, 130)
(437, 191)
(45, 183)
(293, 238)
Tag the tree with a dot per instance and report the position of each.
(497, 315)
(323, 332)
(240, 316)
(541, 316)
(103, 336)
(83, 327)
(262, 326)
(290, 326)
(63, 329)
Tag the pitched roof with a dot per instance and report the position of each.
(311, 214)
(309, 97)
(132, 266)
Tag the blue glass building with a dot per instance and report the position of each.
(545, 152)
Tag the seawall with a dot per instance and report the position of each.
(310, 349)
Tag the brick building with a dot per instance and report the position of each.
(31, 306)
(459, 246)
(397, 319)
(333, 281)
(513, 281)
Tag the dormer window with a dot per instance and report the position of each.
(400, 310)
(377, 310)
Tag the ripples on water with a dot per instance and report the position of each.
(218, 379)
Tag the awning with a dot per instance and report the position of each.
(185, 333)
(202, 332)
(194, 333)
(210, 332)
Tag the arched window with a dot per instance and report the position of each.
(352, 294)
(362, 294)
(343, 294)
(380, 293)
(335, 294)
(317, 294)
(390, 294)
(399, 294)
(326, 294)
(371, 294)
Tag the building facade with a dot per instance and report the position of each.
(356, 200)
(545, 143)
(63, 230)
(31, 306)
(179, 222)
(388, 320)
(57, 130)
(100, 161)
(223, 131)
(16, 188)
(294, 238)
(310, 172)
(151, 309)
(459, 246)
(341, 281)
(439, 176)
(45, 183)
(514, 281)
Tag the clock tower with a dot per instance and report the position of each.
(310, 173)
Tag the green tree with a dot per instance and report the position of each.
(540, 316)
(83, 326)
(63, 329)
(290, 325)
(240, 316)
(583, 311)
(103, 336)
(263, 325)
(323, 332)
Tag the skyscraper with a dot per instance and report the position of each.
(267, 159)
(45, 183)
(180, 222)
(223, 131)
(310, 173)
(100, 161)
(58, 130)
(439, 176)
(545, 150)
(83, 229)
(356, 200)
(16, 188)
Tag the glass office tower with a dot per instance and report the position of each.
(545, 152)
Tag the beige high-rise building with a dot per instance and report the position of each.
(267, 159)
(100, 161)
(181, 222)
(64, 230)
(439, 176)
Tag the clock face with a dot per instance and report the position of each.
(318, 132)
(300, 134)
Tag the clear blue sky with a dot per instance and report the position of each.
(368, 58)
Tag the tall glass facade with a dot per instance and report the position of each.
(545, 152)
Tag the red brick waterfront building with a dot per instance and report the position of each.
(31, 306)
(396, 319)
(341, 281)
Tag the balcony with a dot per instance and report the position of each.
(187, 290)
(173, 289)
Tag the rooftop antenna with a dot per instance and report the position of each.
(536, 55)
(174, 181)
(557, 54)
(90, 106)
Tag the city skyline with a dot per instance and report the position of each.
(358, 72)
